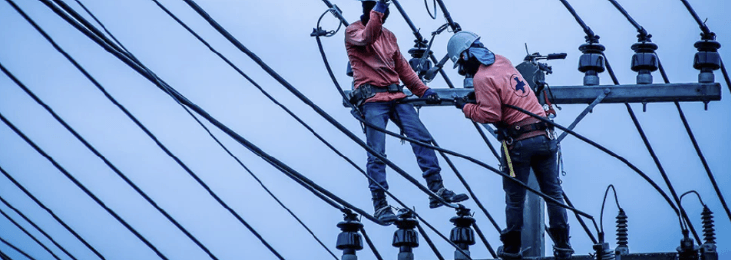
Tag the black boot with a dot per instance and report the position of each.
(447, 195)
(510, 250)
(561, 246)
(383, 211)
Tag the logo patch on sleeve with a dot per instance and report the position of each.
(519, 85)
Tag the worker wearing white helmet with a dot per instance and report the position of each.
(527, 142)
(378, 65)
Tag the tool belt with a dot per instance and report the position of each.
(523, 130)
(366, 91)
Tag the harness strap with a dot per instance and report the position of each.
(507, 158)
(366, 91)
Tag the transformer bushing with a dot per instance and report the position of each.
(708, 249)
(462, 234)
(349, 240)
(622, 234)
(405, 238)
(644, 61)
(707, 58)
(687, 249)
(603, 251)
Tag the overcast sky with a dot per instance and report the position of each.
(278, 31)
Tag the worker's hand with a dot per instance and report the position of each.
(381, 6)
(432, 97)
(459, 102)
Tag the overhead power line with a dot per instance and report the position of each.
(106, 161)
(29, 234)
(40, 204)
(16, 248)
(37, 227)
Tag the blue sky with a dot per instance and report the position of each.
(278, 31)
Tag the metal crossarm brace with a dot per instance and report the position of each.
(585, 112)
(646, 93)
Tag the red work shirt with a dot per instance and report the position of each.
(376, 59)
(498, 84)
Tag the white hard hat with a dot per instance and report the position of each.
(460, 42)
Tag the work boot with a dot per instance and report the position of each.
(561, 246)
(448, 196)
(383, 211)
(510, 250)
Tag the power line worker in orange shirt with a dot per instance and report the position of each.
(530, 142)
(378, 66)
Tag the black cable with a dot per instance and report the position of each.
(616, 200)
(3, 256)
(106, 161)
(168, 152)
(37, 228)
(705, 30)
(29, 234)
(16, 248)
(484, 138)
(429, 12)
(301, 179)
(696, 193)
(581, 221)
(591, 36)
(219, 143)
(429, 242)
(455, 26)
(38, 202)
(484, 240)
(307, 101)
(442, 236)
(370, 244)
(81, 186)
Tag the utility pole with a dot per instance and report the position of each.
(533, 237)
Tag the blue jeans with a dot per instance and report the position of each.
(405, 117)
(539, 153)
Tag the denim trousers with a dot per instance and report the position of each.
(540, 154)
(405, 117)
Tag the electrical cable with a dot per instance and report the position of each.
(430, 243)
(307, 101)
(37, 228)
(226, 149)
(29, 234)
(16, 248)
(484, 240)
(38, 202)
(218, 199)
(370, 244)
(3, 256)
(590, 36)
(581, 221)
(81, 186)
(706, 30)
(696, 193)
(106, 161)
(616, 200)
(434, 17)
(305, 182)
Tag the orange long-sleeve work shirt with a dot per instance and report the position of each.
(376, 59)
(498, 84)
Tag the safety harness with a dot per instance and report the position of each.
(366, 91)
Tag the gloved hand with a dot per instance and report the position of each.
(381, 6)
(432, 97)
(459, 102)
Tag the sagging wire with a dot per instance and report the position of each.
(297, 177)
(705, 30)
(426, 4)
(106, 161)
(81, 186)
(7, 204)
(29, 234)
(220, 144)
(616, 200)
(429, 242)
(307, 101)
(139, 124)
(593, 38)
(320, 32)
(370, 244)
(40, 204)
(16, 248)
(581, 221)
